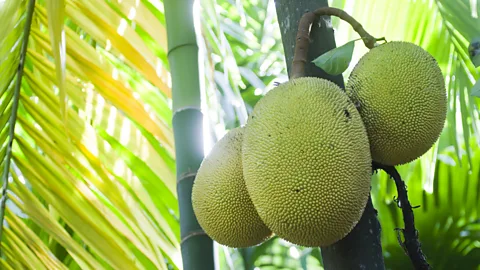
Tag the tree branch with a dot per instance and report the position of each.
(411, 244)
(303, 36)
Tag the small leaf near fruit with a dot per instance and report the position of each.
(336, 61)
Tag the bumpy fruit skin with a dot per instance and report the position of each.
(306, 162)
(220, 199)
(400, 93)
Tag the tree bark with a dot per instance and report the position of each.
(289, 14)
(361, 249)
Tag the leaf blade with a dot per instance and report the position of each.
(56, 15)
(337, 60)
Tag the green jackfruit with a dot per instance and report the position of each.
(220, 199)
(400, 93)
(306, 162)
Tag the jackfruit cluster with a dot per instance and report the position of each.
(300, 169)
(301, 166)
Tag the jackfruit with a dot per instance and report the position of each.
(306, 162)
(400, 93)
(220, 199)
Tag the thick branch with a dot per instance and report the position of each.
(303, 36)
(302, 44)
(411, 245)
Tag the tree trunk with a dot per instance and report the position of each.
(289, 14)
(361, 249)
(196, 246)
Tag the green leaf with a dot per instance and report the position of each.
(153, 183)
(476, 89)
(336, 61)
(56, 14)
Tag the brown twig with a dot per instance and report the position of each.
(411, 245)
(303, 36)
(368, 39)
(301, 46)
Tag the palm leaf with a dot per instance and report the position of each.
(92, 177)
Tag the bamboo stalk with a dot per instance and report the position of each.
(196, 246)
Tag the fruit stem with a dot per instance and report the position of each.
(411, 245)
(303, 36)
